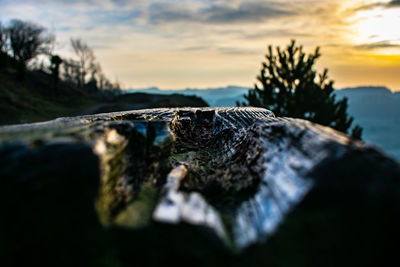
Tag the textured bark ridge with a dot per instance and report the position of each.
(246, 178)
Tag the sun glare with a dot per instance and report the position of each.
(377, 25)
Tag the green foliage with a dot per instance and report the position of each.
(356, 132)
(291, 87)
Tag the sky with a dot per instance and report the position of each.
(179, 44)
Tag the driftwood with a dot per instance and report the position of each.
(207, 185)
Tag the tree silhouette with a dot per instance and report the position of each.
(86, 59)
(55, 62)
(27, 40)
(291, 87)
(87, 71)
(3, 46)
(3, 39)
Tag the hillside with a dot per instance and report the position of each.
(34, 99)
(215, 97)
(143, 100)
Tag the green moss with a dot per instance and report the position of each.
(111, 170)
(139, 212)
(227, 220)
(182, 157)
(132, 172)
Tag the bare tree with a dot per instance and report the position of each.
(28, 40)
(95, 70)
(71, 71)
(86, 59)
(102, 81)
(3, 46)
(3, 39)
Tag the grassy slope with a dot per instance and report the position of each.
(30, 100)
(33, 99)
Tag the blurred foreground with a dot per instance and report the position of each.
(202, 187)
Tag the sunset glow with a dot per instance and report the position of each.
(204, 43)
(378, 26)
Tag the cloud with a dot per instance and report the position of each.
(287, 33)
(236, 51)
(161, 13)
(246, 12)
(377, 45)
(393, 3)
(197, 48)
(94, 4)
(390, 4)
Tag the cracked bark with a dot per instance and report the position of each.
(248, 184)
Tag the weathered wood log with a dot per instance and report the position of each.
(252, 188)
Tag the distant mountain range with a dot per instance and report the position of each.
(375, 109)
